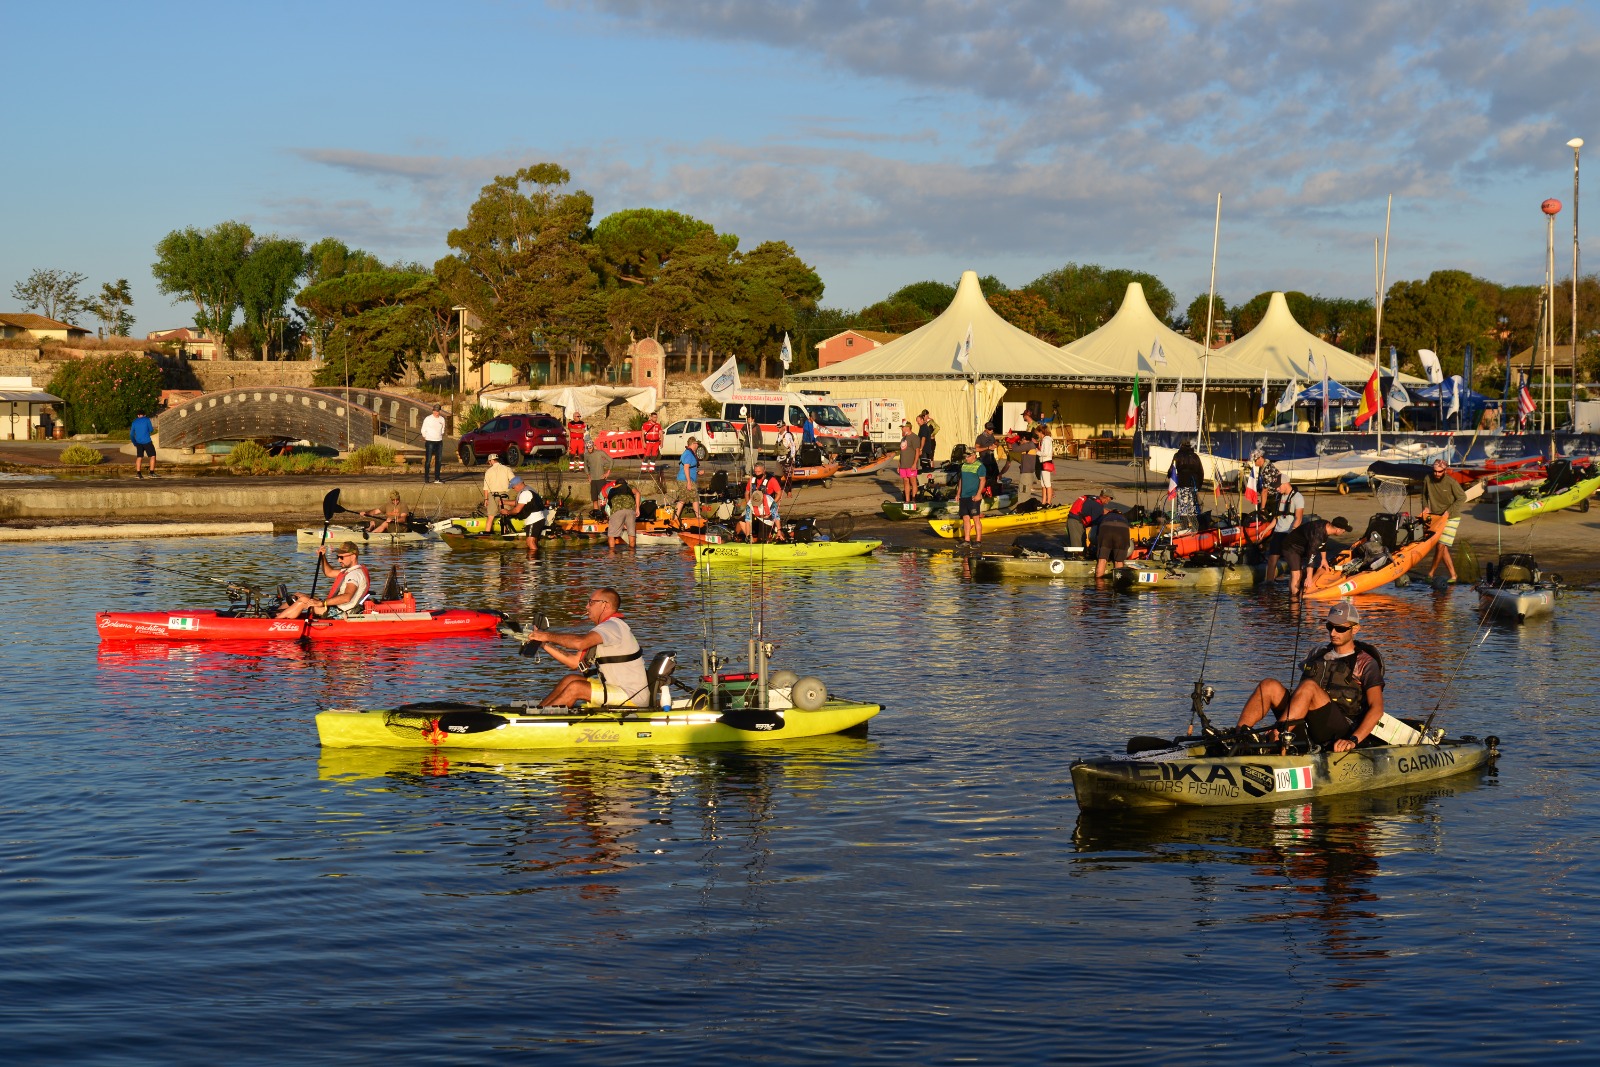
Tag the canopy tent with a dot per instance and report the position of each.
(14, 391)
(1281, 349)
(582, 400)
(923, 369)
(1337, 394)
(1123, 346)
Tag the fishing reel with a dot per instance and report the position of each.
(240, 591)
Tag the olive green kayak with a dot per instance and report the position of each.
(1035, 566)
(1142, 574)
(1190, 773)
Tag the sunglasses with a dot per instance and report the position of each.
(1336, 629)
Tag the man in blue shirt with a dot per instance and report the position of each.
(688, 481)
(142, 434)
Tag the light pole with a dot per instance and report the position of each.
(1575, 144)
(461, 354)
(1551, 208)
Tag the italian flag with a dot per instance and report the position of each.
(1369, 400)
(1133, 406)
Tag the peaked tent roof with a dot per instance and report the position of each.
(1279, 347)
(999, 349)
(1122, 346)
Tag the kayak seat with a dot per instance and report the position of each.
(658, 676)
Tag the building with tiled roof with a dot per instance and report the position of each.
(841, 346)
(23, 324)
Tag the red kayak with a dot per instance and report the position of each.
(381, 621)
(1185, 545)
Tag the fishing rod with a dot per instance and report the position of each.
(236, 590)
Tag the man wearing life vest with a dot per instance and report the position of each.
(1340, 695)
(652, 435)
(576, 431)
(350, 585)
(761, 492)
(1082, 516)
(618, 679)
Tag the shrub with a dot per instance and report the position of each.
(247, 456)
(368, 456)
(711, 407)
(81, 456)
(104, 394)
(476, 416)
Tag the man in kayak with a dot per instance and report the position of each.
(350, 585)
(1443, 496)
(618, 679)
(761, 493)
(394, 517)
(1302, 545)
(1340, 694)
(496, 482)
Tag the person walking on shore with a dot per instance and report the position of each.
(142, 434)
(433, 428)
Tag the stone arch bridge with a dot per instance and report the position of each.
(342, 418)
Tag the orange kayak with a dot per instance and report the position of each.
(1336, 581)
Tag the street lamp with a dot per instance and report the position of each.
(1575, 144)
(461, 351)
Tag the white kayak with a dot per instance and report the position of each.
(312, 535)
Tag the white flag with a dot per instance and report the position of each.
(1311, 358)
(1399, 399)
(787, 355)
(1455, 395)
(724, 381)
(1291, 389)
(1430, 363)
(965, 358)
(1158, 355)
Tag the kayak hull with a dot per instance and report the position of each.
(1177, 780)
(1516, 602)
(781, 553)
(535, 729)
(189, 625)
(312, 535)
(1009, 521)
(1036, 566)
(1522, 508)
(1138, 575)
(896, 510)
(486, 542)
(1332, 584)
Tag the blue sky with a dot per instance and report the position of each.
(887, 140)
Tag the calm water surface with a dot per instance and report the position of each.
(188, 878)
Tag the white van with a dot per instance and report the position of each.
(773, 411)
(883, 417)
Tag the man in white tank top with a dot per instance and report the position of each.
(620, 681)
(349, 589)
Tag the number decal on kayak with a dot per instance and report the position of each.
(1289, 779)
(178, 622)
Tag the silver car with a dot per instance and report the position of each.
(716, 437)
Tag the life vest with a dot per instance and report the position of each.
(1337, 677)
(1077, 505)
(652, 432)
(762, 495)
(363, 583)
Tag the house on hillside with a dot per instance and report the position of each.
(841, 346)
(192, 344)
(38, 328)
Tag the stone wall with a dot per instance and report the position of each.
(177, 372)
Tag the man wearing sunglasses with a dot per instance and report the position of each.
(619, 678)
(349, 589)
(1340, 694)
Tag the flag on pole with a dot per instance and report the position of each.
(1430, 363)
(1291, 389)
(1261, 416)
(1158, 355)
(1394, 362)
(1525, 404)
(1311, 361)
(1133, 405)
(1455, 395)
(1369, 400)
(1399, 399)
(724, 381)
(1252, 484)
(1326, 404)
(787, 355)
(1172, 483)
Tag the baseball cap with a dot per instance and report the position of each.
(1107, 494)
(1344, 613)
(1341, 522)
(1438, 463)
(437, 407)
(349, 547)
(494, 455)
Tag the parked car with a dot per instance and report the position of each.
(515, 438)
(716, 437)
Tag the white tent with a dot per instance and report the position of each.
(1279, 348)
(1123, 346)
(922, 370)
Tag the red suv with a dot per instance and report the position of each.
(515, 438)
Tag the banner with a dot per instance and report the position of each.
(1430, 363)
(1291, 389)
(787, 355)
(724, 381)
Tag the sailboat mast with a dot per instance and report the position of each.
(1211, 306)
(1377, 307)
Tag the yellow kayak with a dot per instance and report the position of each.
(1008, 521)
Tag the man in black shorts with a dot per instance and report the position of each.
(1111, 537)
(1302, 544)
(1340, 694)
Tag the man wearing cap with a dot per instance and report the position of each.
(910, 449)
(1085, 512)
(433, 444)
(349, 589)
(970, 498)
(1267, 481)
(1302, 545)
(1443, 496)
(1288, 509)
(688, 480)
(1340, 694)
(496, 482)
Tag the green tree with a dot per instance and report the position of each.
(103, 394)
(332, 258)
(526, 267)
(813, 327)
(1085, 296)
(930, 297)
(1028, 311)
(1445, 313)
(1194, 318)
(635, 244)
(54, 292)
(204, 266)
(114, 308)
(266, 282)
(774, 285)
(382, 319)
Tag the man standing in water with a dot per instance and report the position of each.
(620, 680)
(1444, 497)
(973, 477)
